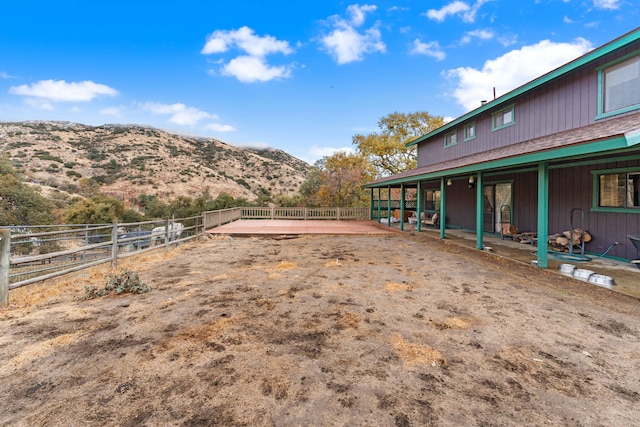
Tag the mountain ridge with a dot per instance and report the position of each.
(128, 160)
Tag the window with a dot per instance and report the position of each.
(450, 139)
(620, 86)
(503, 118)
(619, 190)
(469, 131)
(432, 200)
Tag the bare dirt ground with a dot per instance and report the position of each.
(398, 330)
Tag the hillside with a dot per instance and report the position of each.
(129, 160)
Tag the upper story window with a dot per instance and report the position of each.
(450, 139)
(618, 189)
(503, 118)
(469, 131)
(619, 86)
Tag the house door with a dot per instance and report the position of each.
(496, 196)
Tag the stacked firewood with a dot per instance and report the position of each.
(570, 238)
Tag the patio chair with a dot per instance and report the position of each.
(636, 242)
(430, 220)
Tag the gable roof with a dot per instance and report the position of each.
(613, 45)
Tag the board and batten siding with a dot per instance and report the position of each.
(565, 103)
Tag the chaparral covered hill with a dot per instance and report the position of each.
(127, 161)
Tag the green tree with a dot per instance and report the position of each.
(20, 204)
(98, 209)
(387, 150)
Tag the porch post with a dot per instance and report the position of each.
(479, 211)
(419, 208)
(402, 207)
(389, 205)
(443, 210)
(370, 204)
(543, 214)
(379, 193)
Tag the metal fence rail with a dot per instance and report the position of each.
(42, 252)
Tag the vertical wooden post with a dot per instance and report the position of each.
(443, 209)
(379, 190)
(389, 205)
(419, 208)
(5, 249)
(371, 204)
(402, 190)
(543, 215)
(166, 235)
(479, 211)
(114, 245)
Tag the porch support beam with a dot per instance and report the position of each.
(379, 201)
(389, 205)
(419, 208)
(543, 214)
(402, 190)
(479, 211)
(371, 205)
(443, 206)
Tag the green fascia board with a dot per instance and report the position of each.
(571, 66)
(632, 137)
(533, 158)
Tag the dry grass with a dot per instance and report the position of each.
(417, 354)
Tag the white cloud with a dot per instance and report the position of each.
(345, 43)
(217, 127)
(250, 69)
(4, 75)
(606, 4)
(453, 8)
(244, 39)
(358, 13)
(179, 113)
(512, 70)
(61, 91)
(478, 34)
(251, 66)
(431, 49)
(39, 103)
(457, 7)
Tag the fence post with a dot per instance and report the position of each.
(338, 214)
(5, 248)
(114, 245)
(166, 235)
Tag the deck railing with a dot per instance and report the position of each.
(306, 213)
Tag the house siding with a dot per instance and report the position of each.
(569, 188)
(566, 103)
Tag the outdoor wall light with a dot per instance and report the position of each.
(449, 183)
(472, 182)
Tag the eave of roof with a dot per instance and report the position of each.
(616, 133)
(571, 66)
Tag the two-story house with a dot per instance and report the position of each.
(561, 151)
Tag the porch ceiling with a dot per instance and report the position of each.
(603, 136)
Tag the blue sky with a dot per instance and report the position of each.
(302, 76)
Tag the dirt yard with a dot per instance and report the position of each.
(400, 330)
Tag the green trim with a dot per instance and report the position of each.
(592, 148)
(443, 207)
(448, 135)
(464, 132)
(419, 207)
(601, 114)
(479, 211)
(543, 214)
(501, 112)
(571, 66)
(595, 200)
(632, 137)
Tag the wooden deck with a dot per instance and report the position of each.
(256, 227)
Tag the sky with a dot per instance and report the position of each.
(302, 76)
